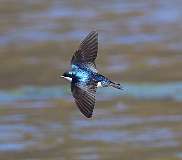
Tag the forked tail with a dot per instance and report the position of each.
(116, 85)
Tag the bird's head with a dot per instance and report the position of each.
(67, 76)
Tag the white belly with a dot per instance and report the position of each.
(99, 84)
(68, 78)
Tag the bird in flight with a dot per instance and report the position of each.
(84, 76)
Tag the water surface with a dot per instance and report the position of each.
(139, 46)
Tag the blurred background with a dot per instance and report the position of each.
(140, 46)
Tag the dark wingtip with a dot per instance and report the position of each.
(89, 116)
(94, 30)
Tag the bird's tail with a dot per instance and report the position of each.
(115, 85)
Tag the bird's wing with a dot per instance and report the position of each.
(90, 65)
(87, 51)
(84, 95)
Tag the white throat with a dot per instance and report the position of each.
(68, 78)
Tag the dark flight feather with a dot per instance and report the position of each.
(87, 51)
(84, 95)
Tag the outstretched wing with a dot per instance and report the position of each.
(84, 96)
(87, 51)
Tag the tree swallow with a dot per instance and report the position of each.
(84, 76)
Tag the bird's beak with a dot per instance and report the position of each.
(62, 76)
